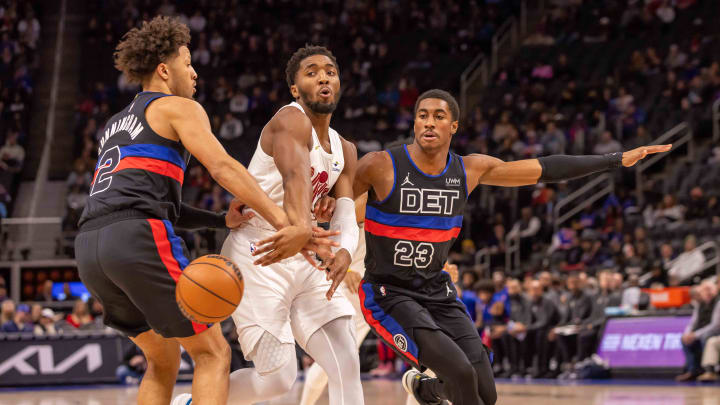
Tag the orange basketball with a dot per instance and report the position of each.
(209, 289)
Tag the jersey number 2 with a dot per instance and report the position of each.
(103, 175)
(407, 254)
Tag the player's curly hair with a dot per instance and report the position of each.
(293, 64)
(442, 95)
(142, 49)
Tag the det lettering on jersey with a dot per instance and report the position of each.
(428, 201)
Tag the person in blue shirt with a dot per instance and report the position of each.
(20, 321)
(469, 297)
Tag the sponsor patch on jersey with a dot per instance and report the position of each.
(253, 247)
(336, 166)
(400, 342)
(382, 290)
(452, 181)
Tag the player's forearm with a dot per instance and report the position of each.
(296, 185)
(196, 218)
(556, 168)
(235, 178)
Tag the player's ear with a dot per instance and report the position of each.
(163, 71)
(454, 127)
(294, 91)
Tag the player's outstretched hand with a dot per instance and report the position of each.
(352, 281)
(284, 243)
(631, 157)
(320, 245)
(324, 209)
(337, 270)
(235, 218)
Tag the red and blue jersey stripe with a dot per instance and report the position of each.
(423, 228)
(154, 158)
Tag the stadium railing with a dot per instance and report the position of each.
(609, 186)
(679, 135)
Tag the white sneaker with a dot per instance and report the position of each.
(182, 399)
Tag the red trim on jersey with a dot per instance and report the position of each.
(416, 234)
(158, 166)
(165, 251)
(377, 326)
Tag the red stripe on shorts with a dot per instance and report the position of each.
(165, 251)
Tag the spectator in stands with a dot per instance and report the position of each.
(468, 295)
(669, 212)
(231, 128)
(3, 290)
(710, 360)
(607, 296)
(526, 228)
(510, 339)
(658, 275)
(20, 322)
(697, 206)
(67, 294)
(485, 291)
(578, 309)
(45, 326)
(553, 140)
(607, 144)
(78, 319)
(12, 156)
(633, 298)
(7, 311)
(133, 366)
(704, 323)
(46, 293)
(689, 262)
(29, 30)
(543, 317)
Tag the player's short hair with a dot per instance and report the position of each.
(293, 64)
(442, 95)
(142, 49)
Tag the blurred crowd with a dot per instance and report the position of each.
(19, 45)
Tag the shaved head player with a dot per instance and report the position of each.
(127, 252)
(416, 200)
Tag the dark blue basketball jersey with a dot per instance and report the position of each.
(137, 168)
(410, 232)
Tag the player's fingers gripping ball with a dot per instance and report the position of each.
(209, 289)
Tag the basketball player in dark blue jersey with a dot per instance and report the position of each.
(416, 198)
(128, 255)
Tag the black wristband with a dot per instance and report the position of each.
(614, 159)
(556, 168)
(195, 218)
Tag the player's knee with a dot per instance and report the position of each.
(464, 374)
(280, 381)
(163, 364)
(216, 354)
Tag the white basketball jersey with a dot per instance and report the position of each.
(325, 168)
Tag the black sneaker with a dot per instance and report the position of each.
(411, 383)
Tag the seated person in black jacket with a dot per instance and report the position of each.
(578, 308)
(543, 317)
(513, 339)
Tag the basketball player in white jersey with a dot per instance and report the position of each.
(298, 160)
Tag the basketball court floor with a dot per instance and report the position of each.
(389, 392)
